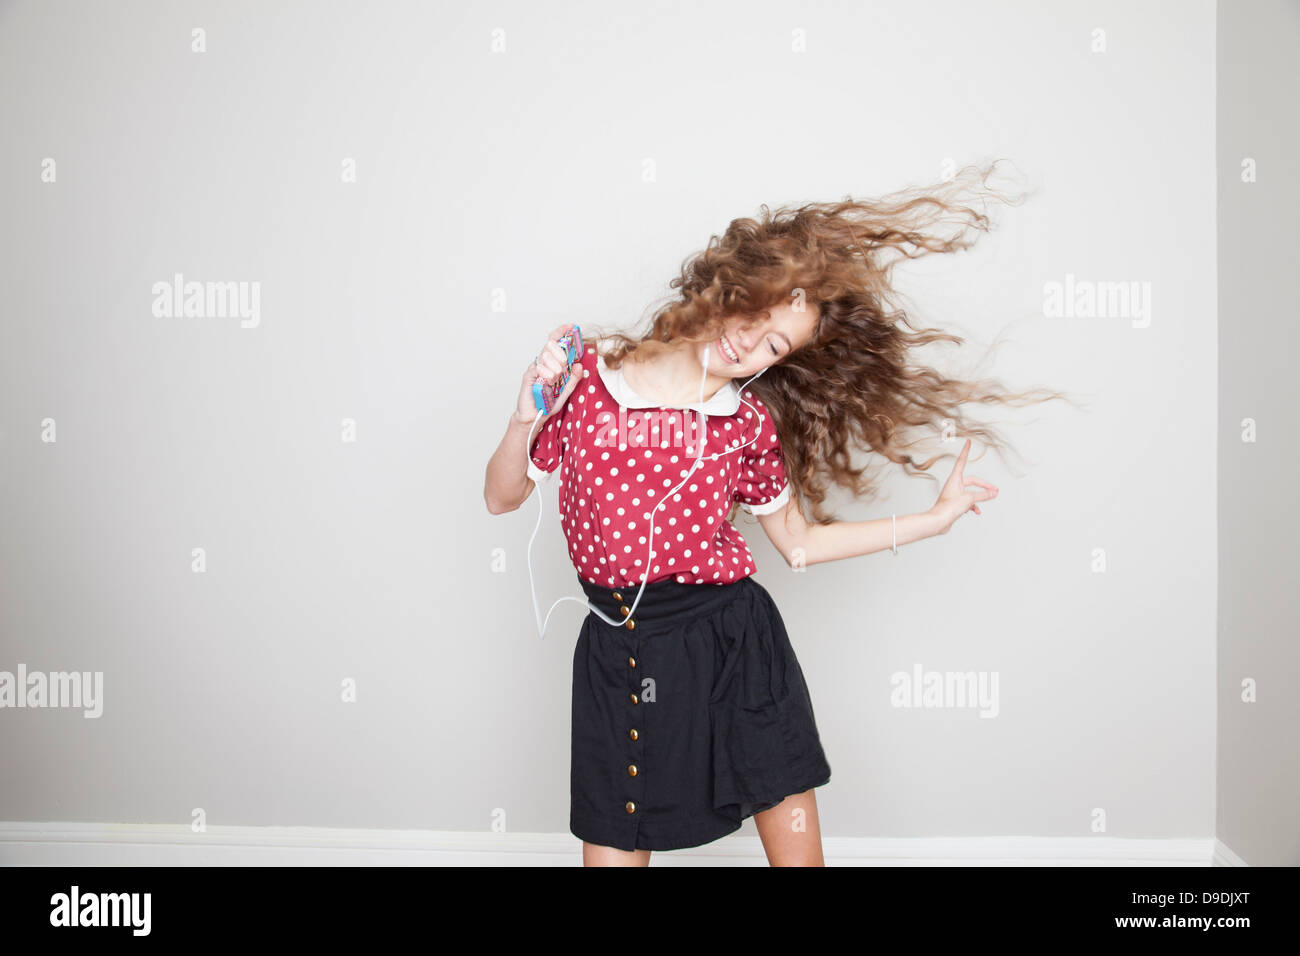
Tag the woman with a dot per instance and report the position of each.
(690, 712)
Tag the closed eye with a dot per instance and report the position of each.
(772, 347)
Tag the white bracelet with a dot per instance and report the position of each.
(895, 520)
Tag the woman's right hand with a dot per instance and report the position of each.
(549, 366)
(954, 500)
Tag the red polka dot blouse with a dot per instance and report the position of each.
(620, 461)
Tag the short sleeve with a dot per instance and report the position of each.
(547, 448)
(762, 487)
(548, 443)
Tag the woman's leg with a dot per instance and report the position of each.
(593, 854)
(790, 831)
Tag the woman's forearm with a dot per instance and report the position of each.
(506, 484)
(848, 539)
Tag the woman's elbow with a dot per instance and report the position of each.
(497, 507)
(494, 506)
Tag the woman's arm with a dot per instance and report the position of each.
(506, 485)
(801, 543)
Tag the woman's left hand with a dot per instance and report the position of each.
(954, 500)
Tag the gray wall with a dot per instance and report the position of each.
(1258, 812)
(498, 194)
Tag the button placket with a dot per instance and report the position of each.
(633, 769)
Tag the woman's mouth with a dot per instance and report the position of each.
(728, 351)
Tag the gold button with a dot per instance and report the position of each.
(631, 662)
(625, 611)
(630, 625)
(632, 733)
(619, 597)
(630, 807)
(633, 696)
(631, 770)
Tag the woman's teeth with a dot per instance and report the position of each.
(728, 351)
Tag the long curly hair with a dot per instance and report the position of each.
(854, 385)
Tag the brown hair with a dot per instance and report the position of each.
(852, 384)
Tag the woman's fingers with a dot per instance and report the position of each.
(561, 356)
(990, 489)
(574, 378)
(955, 478)
(549, 364)
(552, 362)
(553, 359)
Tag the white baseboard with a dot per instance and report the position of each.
(134, 844)
(1223, 856)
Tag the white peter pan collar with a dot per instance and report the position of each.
(725, 401)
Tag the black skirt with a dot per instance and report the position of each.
(689, 721)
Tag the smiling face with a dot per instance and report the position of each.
(760, 341)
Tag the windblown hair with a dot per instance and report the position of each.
(854, 385)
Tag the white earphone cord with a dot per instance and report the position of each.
(700, 439)
(541, 625)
